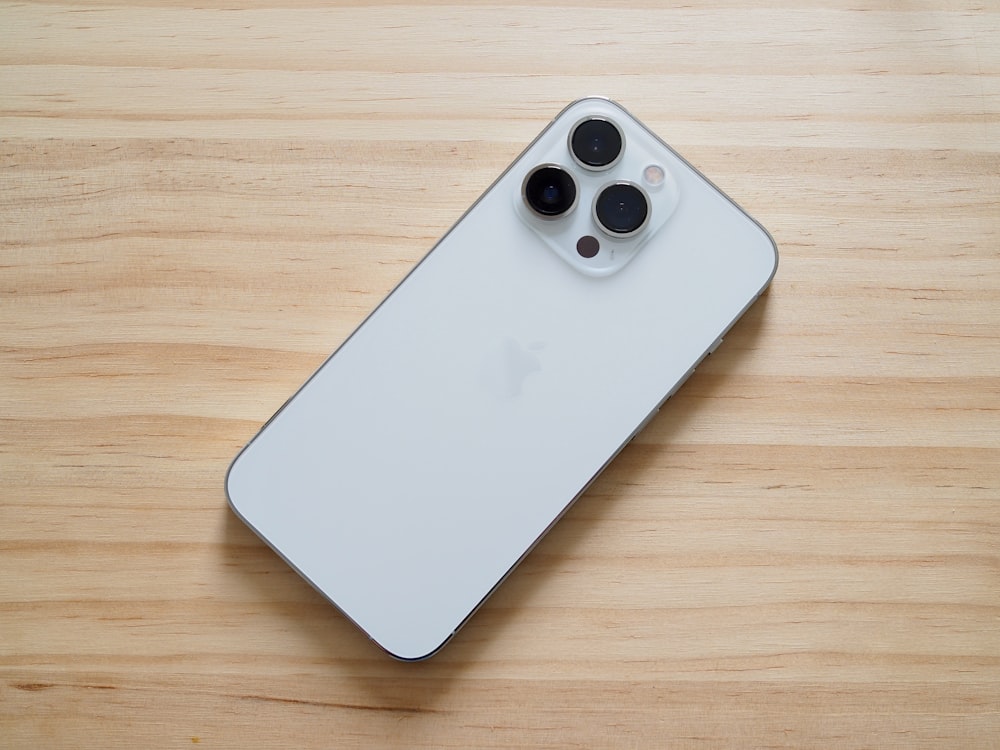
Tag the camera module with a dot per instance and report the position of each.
(621, 209)
(596, 143)
(549, 191)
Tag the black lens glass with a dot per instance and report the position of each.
(550, 191)
(596, 143)
(621, 208)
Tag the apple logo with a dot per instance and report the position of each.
(508, 365)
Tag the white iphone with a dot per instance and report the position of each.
(427, 456)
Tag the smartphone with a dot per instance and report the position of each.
(438, 444)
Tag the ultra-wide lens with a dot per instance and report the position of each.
(621, 209)
(550, 191)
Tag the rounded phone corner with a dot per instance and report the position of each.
(774, 259)
(777, 256)
(409, 657)
(406, 644)
(227, 487)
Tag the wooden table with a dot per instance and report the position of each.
(198, 202)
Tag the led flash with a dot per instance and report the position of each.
(653, 175)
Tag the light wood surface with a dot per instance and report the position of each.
(199, 201)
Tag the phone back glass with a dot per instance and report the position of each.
(436, 446)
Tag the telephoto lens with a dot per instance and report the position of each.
(549, 191)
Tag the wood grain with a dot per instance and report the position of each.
(198, 202)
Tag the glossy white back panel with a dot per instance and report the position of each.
(444, 437)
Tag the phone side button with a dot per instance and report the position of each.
(679, 383)
(642, 425)
(645, 422)
(713, 347)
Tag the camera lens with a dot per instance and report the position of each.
(549, 191)
(596, 143)
(621, 209)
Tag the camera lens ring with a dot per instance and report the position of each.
(550, 191)
(624, 204)
(596, 143)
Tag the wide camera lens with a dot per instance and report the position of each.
(621, 209)
(549, 191)
(596, 143)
